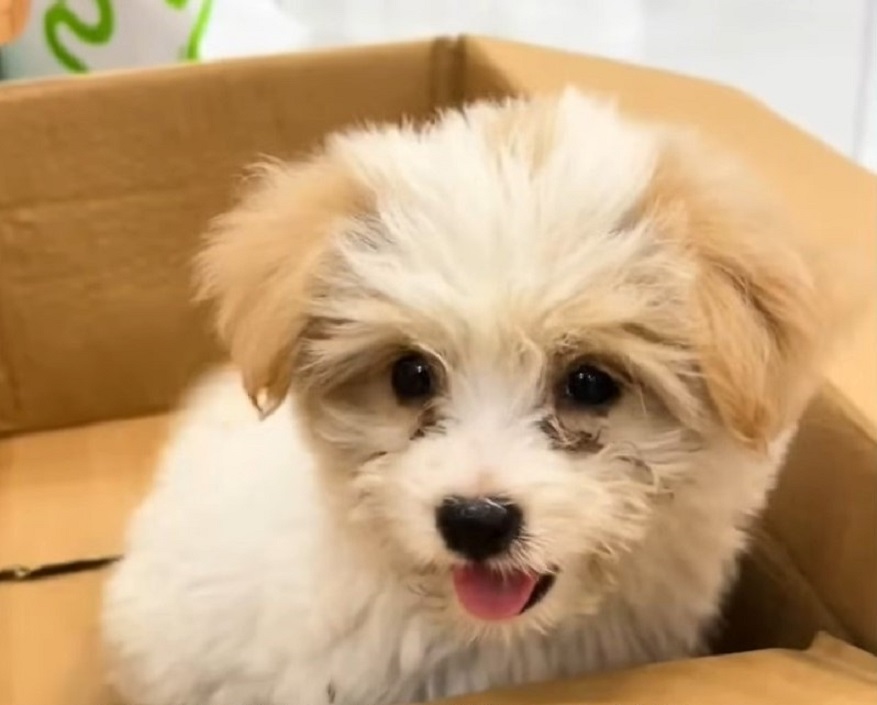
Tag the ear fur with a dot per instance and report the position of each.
(258, 261)
(765, 302)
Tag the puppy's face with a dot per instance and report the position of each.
(516, 337)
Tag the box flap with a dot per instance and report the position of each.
(67, 494)
(829, 673)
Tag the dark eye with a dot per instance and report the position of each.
(587, 385)
(412, 378)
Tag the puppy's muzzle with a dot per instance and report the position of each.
(479, 528)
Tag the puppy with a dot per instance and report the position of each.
(509, 389)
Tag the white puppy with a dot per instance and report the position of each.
(521, 377)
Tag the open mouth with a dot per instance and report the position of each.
(493, 595)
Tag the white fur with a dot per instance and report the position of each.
(237, 571)
(268, 567)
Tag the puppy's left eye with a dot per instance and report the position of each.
(412, 378)
(589, 386)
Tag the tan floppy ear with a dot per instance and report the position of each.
(258, 262)
(765, 312)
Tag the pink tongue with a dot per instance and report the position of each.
(490, 595)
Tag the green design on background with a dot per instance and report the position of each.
(59, 15)
(192, 50)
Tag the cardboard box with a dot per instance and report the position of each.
(105, 184)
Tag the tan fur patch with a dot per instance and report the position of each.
(351, 406)
(570, 440)
(756, 304)
(258, 263)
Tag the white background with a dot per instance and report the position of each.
(812, 60)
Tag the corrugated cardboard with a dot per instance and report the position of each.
(105, 183)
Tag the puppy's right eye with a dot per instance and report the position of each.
(412, 378)
(589, 386)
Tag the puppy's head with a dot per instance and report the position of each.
(518, 336)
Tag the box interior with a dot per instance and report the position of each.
(106, 183)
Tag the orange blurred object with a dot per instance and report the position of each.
(13, 15)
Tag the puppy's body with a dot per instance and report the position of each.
(241, 586)
(537, 308)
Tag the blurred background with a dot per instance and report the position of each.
(814, 61)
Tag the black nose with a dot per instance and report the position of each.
(478, 528)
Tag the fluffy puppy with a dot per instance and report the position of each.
(522, 377)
